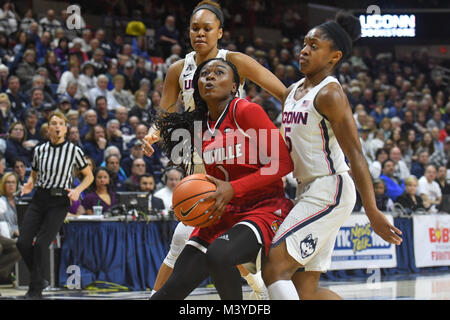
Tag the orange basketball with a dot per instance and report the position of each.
(186, 197)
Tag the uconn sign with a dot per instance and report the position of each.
(388, 25)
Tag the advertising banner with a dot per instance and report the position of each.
(357, 246)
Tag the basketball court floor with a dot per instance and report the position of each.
(401, 287)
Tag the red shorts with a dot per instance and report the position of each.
(264, 218)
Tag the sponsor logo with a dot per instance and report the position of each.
(185, 213)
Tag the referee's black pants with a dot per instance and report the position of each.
(43, 219)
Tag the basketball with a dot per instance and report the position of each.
(186, 197)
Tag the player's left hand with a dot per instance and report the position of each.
(223, 194)
(382, 227)
(73, 194)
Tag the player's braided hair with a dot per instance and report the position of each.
(168, 122)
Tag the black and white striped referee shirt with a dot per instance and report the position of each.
(54, 164)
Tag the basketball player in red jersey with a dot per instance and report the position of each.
(249, 198)
(205, 30)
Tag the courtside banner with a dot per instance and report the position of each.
(431, 240)
(357, 246)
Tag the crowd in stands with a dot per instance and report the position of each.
(110, 92)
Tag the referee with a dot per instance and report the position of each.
(51, 173)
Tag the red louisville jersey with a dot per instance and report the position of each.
(245, 148)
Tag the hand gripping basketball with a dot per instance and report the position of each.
(223, 194)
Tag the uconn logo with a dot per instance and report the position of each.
(296, 117)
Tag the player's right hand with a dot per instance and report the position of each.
(148, 140)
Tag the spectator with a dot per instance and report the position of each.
(43, 46)
(138, 168)
(31, 128)
(112, 163)
(90, 120)
(27, 68)
(147, 184)
(53, 67)
(375, 167)
(384, 203)
(394, 186)
(73, 74)
(96, 143)
(167, 36)
(9, 185)
(50, 23)
(6, 116)
(418, 167)
(100, 66)
(103, 44)
(121, 115)
(401, 169)
(73, 135)
(440, 157)
(121, 97)
(9, 18)
(114, 134)
(409, 201)
(20, 169)
(87, 79)
(170, 179)
(426, 143)
(27, 20)
(62, 50)
(142, 107)
(441, 179)
(436, 121)
(103, 114)
(17, 99)
(101, 90)
(2, 165)
(131, 82)
(429, 189)
(14, 144)
(100, 193)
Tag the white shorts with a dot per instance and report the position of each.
(180, 237)
(311, 227)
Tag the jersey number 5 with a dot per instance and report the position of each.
(287, 139)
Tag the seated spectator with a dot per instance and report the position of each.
(53, 67)
(97, 60)
(147, 184)
(101, 90)
(112, 162)
(426, 143)
(96, 143)
(90, 120)
(62, 50)
(64, 103)
(401, 169)
(87, 80)
(73, 74)
(27, 68)
(114, 134)
(9, 185)
(122, 97)
(170, 179)
(440, 157)
(100, 193)
(135, 153)
(103, 114)
(14, 144)
(418, 167)
(70, 95)
(137, 169)
(142, 107)
(384, 203)
(6, 116)
(167, 36)
(73, 135)
(20, 169)
(429, 189)
(394, 186)
(43, 46)
(121, 114)
(409, 201)
(441, 179)
(436, 121)
(49, 22)
(375, 167)
(17, 99)
(31, 128)
(39, 81)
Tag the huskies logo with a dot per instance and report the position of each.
(308, 246)
(275, 225)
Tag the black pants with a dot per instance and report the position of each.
(9, 255)
(238, 246)
(43, 219)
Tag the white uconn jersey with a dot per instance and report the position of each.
(313, 146)
(187, 75)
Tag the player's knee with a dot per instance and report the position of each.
(216, 257)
